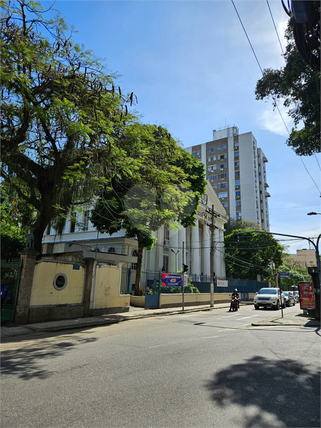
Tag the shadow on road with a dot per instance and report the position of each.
(31, 361)
(270, 393)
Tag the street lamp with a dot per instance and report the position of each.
(176, 258)
(313, 213)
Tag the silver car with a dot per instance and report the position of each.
(269, 298)
(289, 298)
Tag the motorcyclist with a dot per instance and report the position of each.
(235, 295)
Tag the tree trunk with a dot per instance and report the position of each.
(140, 237)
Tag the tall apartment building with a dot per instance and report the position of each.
(235, 167)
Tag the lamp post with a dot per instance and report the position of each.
(176, 258)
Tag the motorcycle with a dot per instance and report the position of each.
(235, 303)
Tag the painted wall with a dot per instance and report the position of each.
(107, 288)
(43, 291)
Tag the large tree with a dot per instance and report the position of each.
(61, 115)
(298, 86)
(252, 254)
(165, 185)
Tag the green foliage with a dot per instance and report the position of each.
(253, 255)
(295, 276)
(238, 224)
(14, 213)
(299, 87)
(61, 115)
(164, 185)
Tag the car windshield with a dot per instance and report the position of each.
(267, 291)
(285, 293)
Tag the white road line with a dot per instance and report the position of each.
(244, 318)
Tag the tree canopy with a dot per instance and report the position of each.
(166, 185)
(254, 254)
(61, 115)
(298, 85)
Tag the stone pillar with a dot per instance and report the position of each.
(28, 257)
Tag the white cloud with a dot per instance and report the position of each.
(276, 121)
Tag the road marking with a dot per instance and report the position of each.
(244, 318)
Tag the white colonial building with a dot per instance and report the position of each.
(191, 245)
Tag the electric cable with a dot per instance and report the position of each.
(273, 97)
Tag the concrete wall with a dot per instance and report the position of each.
(43, 290)
(168, 300)
(106, 292)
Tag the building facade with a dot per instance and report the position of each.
(174, 246)
(236, 168)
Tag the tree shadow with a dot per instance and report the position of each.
(30, 361)
(270, 393)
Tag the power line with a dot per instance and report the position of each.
(273, 97)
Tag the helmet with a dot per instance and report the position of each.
(235, 290)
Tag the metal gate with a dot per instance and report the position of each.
(10, 280)
(152, 290)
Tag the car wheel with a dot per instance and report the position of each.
(256, 307)
(277, 306)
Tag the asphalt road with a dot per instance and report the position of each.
(204, 369)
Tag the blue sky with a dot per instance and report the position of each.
(193, 70)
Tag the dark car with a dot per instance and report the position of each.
(289, 298)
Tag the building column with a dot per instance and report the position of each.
(206, 250)
(172, 257)
(195, 250)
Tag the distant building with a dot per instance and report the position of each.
(235, 167)
(303, 259)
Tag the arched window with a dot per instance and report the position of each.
(135, 253)
(111, 250)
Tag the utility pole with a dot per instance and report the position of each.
(212, 228)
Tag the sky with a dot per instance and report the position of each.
(193, 70)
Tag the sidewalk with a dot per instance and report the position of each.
(7, 331)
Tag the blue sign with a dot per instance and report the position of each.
(171, 280)
(76, 267)
(284, 274)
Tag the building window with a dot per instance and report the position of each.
(238, 215)
(222, 156)
(225, 204)
(165, 264)
(222, 175)
(211, 168)
(135, 253)
(209, 150)
(238, 203)
(237, 163)
(60, 281)
(236, 154)
(48, 229)
(212, 177)
(134, 266)
(72, 222)
(238, 193)
(194, 154)
(166, 234)
(111, 250)
(237, 183)
(237, 174)
(211, 159)
(223, 195)
(85, 221)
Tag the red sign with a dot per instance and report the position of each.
(306, 292)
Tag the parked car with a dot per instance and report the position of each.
(289, 298)
(269, 298)
(296, 296)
